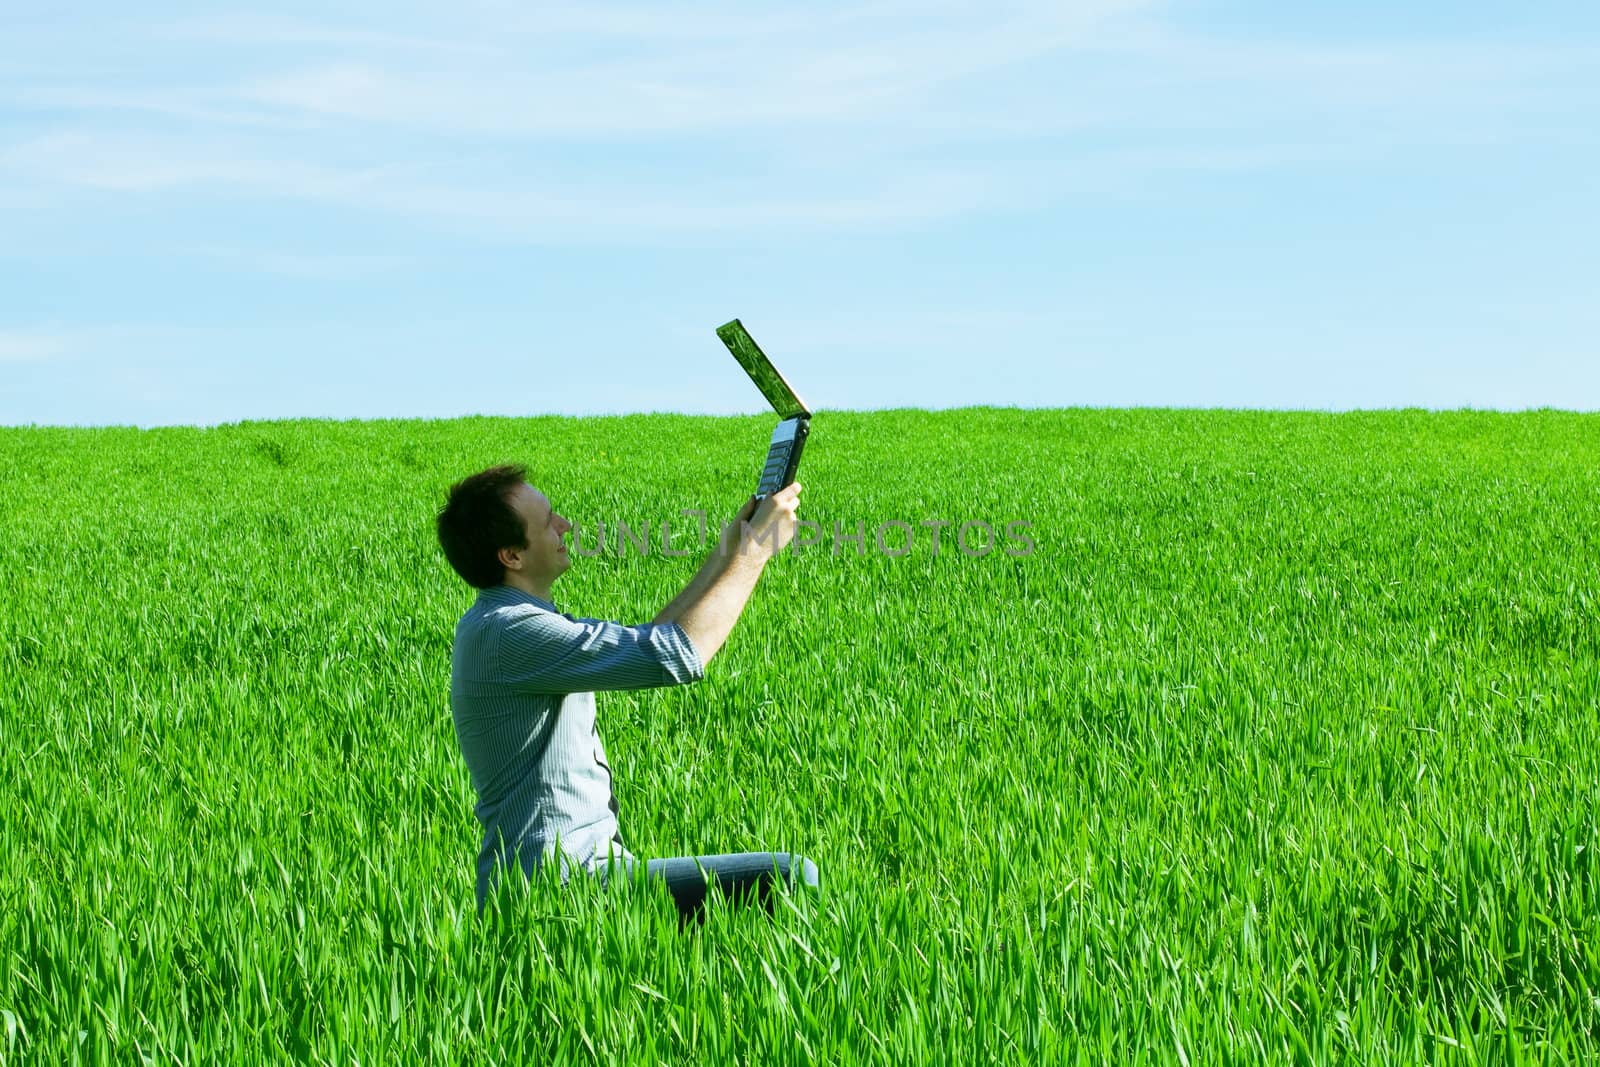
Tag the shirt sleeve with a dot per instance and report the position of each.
(542, 652)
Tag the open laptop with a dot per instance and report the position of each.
(789, 439)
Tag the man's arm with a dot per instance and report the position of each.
(537, 651)
(715, 597)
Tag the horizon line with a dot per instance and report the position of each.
(901, 409)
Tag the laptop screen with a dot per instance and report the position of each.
(761, 371)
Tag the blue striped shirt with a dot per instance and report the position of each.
(522, 681)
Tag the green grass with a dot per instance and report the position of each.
(1283, 745)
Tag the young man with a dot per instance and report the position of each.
(523, 677)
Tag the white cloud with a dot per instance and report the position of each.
(874, 115)
(800, 96)
(733, 72)
(577, 207)
(265, 31)
(580, 71)
(32, 346)
(314, 266)
(156, 162)
(208, 107)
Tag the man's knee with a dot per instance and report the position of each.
(801, 871)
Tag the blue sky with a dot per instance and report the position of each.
(388, 210)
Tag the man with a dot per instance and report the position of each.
(523, 677)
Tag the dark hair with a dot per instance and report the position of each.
(476, 522)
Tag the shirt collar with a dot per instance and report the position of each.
(510, 594)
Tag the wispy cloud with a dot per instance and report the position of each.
(873, 115)
(205, 108)
(267, 31)
(560, 208)
(160, 161)
(803, 104)
(32, 345)
(698, 71)
(320, 266)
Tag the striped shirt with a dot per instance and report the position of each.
(522, 681)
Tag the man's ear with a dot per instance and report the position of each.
(510, 558)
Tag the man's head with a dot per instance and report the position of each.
(496, 528)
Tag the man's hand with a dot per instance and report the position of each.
(763, 529)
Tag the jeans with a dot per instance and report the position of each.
(743, 877)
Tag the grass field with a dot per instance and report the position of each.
(1282, 745)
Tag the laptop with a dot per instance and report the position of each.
(789, 439)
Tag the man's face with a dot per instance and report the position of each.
(545, 558)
